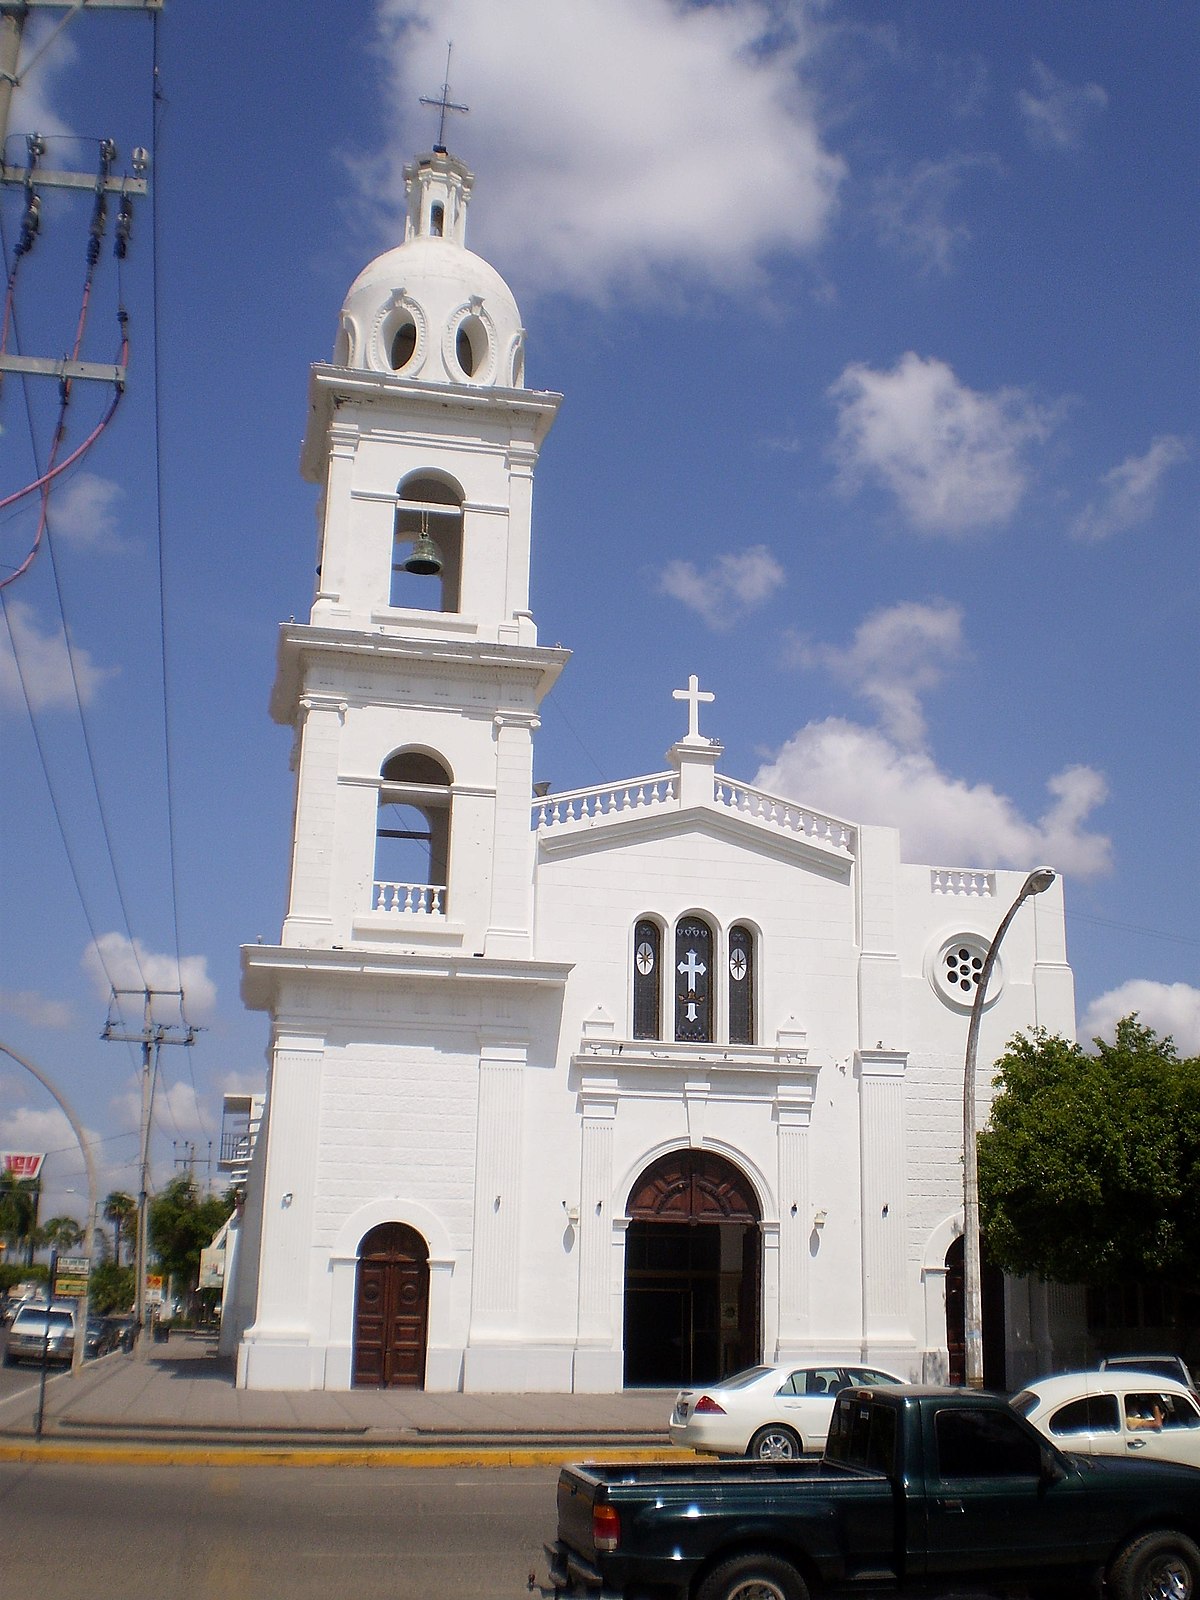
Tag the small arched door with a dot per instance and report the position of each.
(391, 1309)
(693, 1271)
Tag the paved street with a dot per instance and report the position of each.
(138, 1533)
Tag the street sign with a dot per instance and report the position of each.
(71, 1277)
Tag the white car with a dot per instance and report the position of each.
(776, 1413)
(1115, 1413)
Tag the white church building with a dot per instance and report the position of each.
(633, 1085)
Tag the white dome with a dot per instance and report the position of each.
(430, 308)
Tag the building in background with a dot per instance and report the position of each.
(633, 1085)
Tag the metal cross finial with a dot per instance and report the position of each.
(693, 694)
(444, 102)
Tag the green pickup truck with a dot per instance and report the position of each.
(919, 1491)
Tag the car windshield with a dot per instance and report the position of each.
(31, 1321)
(1024, 1402)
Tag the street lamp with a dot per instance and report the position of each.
(1036, 883)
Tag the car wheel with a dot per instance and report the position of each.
(775, 1443)
(1158, 1566)
(753, 1577)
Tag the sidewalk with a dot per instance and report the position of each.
(177, 1402)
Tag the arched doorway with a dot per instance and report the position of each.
(992, 1298)
(391, 1308)
(693, 1271)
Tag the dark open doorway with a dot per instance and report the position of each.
(992, 1293)
(693, 1267)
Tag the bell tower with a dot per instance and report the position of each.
(403, 993)
(414, 686)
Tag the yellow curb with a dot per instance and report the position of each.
(289, 1456)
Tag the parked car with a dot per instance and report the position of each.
(28, 1338)
(100, 1336)
(124, 1330)
(1173, 1367)
(773, 1412)
(1115, 1413)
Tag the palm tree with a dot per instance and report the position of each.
(61, 1233)
(18, 1211)
(120, 1209)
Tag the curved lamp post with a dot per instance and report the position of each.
(90, 1167)
(1035, 883)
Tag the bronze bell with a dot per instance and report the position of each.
(424, 561)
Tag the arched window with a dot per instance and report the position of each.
(412, 837)
(647, 980)
(741, 985)
(429, 509)
(693, 980)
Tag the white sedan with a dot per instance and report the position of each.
(776, 1413)
(1115, 1413)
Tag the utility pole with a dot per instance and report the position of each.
(33, 178)
(152, 1037)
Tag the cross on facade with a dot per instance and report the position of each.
(443, 102)
(693, 694)
(692, 968)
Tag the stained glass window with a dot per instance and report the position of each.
(693, 980)
(647, 980)
(741, 985)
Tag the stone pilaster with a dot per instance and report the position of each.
(883, 1179)
(495, 1270)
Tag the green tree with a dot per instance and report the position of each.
(112, 1288)
(61, 1233)
(1089, 1170)
(121, 1210)
(181, 1224)
(18, 1212)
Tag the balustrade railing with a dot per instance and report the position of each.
(410, 899)
(783, 814)
(959, 880)
(582, 805)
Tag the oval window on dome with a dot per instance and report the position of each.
(471, 346)
(403, 346)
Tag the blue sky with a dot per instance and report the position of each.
(876, 328)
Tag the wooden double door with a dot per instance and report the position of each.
(391, 1311)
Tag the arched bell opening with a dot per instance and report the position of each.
(427, 545)
(391, 1309)
(693, 1272)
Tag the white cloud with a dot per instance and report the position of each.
(1055, 111)
(32, 102)
(114, 962)
(37, 1009)
(84, 513)
(1172, 1008)
(1130, 490)
(620, 141)
(45, 665)
(952, 456)
(898, 652)
(732, 585)
(911, 209)
(859, 773)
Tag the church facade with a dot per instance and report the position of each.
(638, 1084)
